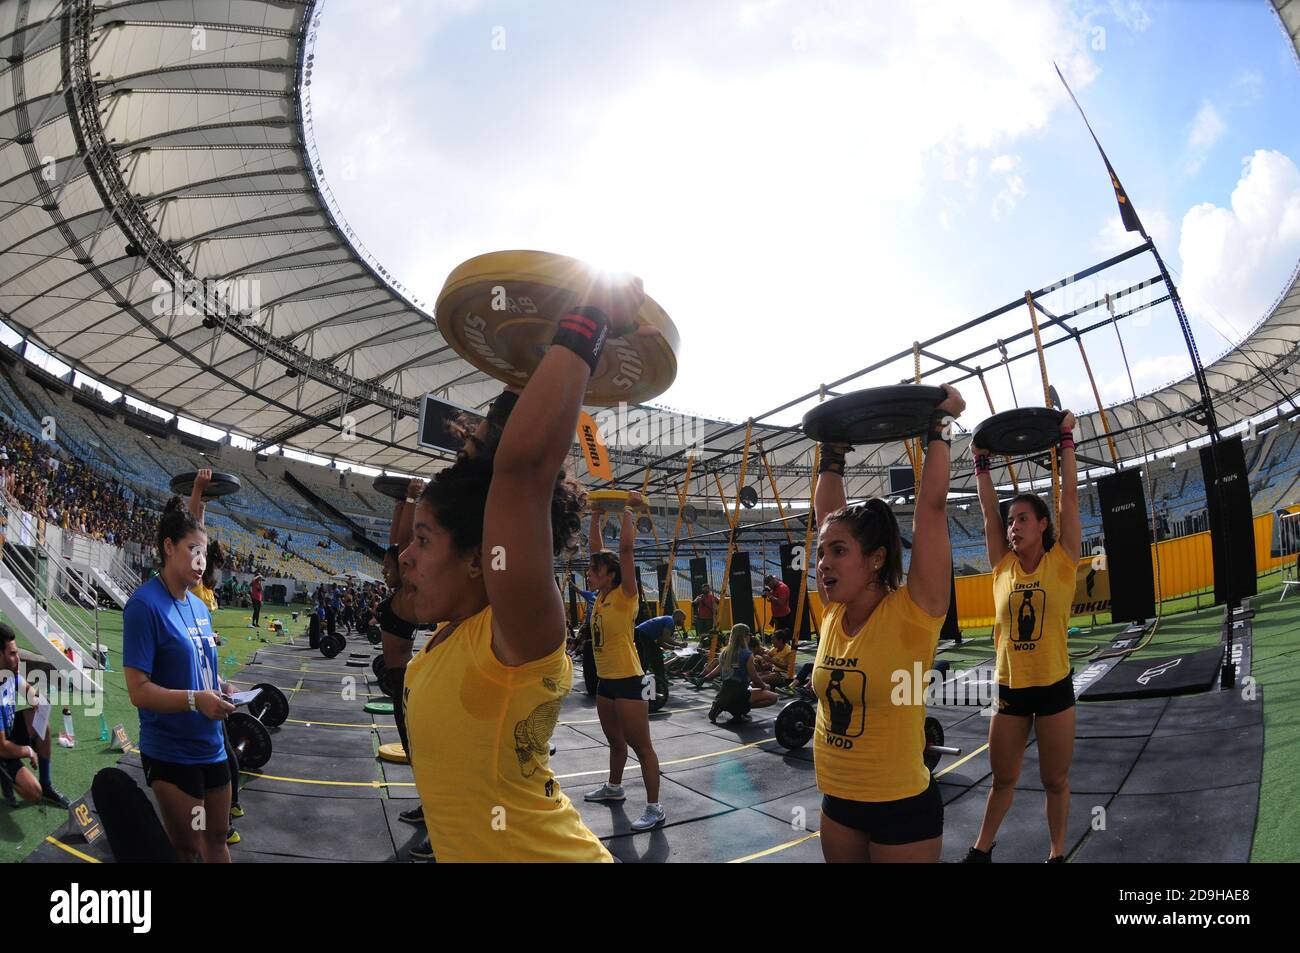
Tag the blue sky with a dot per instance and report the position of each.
(807, 187)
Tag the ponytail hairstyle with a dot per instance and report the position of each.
(175, 524)
(1041, 511)
(739, 639)
(874, 525)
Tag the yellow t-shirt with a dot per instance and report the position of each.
(1033, 609)
(781, 658)
(613, 618)
(207, 595)
(480, 736)
(867, 747)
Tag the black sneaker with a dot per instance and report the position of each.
(51, 796)
(413, 816)
(975, 856)
(423, 852)
(1055, 860)
(10, 797)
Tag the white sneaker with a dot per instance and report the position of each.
(652, 818)
(606, 792)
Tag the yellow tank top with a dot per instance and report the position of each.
(1033, 619)
(867, 747)
(480, 750)
(613, 619)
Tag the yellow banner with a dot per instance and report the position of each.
(1091, 589)
(593, 448)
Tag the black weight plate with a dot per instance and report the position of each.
(748, 497)
(1017, 432)
(643, 524)
(933, 736)
(374, 635)
(795, 725)
(250, 739)
(392, 486)
(223, 484)
(332, 645)
(874, 415)
(660, 697)
(385, 683)
(271, 707)
(377, 666)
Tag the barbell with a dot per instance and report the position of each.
(248, 730)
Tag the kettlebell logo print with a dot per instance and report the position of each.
(1029, 616)
(845, 702)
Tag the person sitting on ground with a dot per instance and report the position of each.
(780, 656)
(18, 738)
(736, 663)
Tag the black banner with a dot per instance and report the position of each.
(741, 588)
(791, 575)
(1128, 546)
(1232, 532)
(667, 605)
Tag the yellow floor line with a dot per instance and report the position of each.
(338, 724)
(665, 711)
(775, 850)
(340, 784)
(72, 850)
(360, 669)
(307, 691)
(633, 766)
(957, 764)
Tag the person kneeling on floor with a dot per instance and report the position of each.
(18, 740)
(736, 664)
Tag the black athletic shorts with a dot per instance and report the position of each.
(733, 697)
(904, 821)
(703, 626)
(1037, 699)
(19, 736)
(630, 688)
(194, 779)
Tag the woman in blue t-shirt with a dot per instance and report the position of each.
(170, 659)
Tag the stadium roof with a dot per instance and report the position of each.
(148, 138)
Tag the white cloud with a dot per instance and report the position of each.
(1113, 239)
(1228, 252)
(1250, 83)
(1013, 184)
(1207, 128)
(1132, 14)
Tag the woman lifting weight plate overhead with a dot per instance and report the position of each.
(879, 803)
(624, 690)
(483, 696)
(1033, 589)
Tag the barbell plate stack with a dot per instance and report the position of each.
(500, 311)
